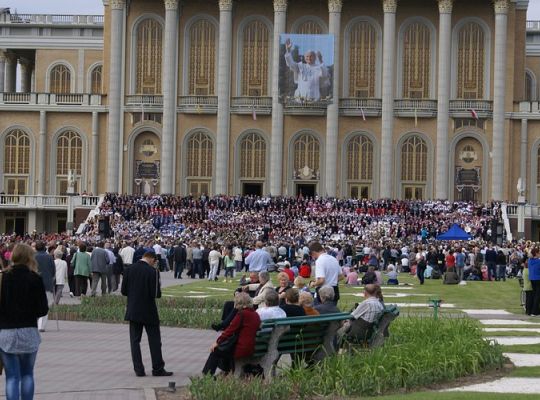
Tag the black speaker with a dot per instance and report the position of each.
(104, 227)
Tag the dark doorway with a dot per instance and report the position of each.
(252, 189)
(306, 189)
(16, 225)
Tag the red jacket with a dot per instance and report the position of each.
(245, 346)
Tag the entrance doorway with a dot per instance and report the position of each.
(306, 189)
(252, 189)
(15, 223)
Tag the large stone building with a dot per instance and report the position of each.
(432, 99)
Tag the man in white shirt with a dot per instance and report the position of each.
(126, 253)
(327, 270)
(213, 260)
(238, 258)
(272, 309)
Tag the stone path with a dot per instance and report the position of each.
(516, 324)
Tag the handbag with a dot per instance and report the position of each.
(228, 345)
(1, 362)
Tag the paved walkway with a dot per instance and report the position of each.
(92, 361)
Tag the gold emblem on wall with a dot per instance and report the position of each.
(468, 155)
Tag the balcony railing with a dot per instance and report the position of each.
(533, 25)
(299, 107)
(354, 106)
(463, 108)
(198, 104)
(422, 108)
(246, 105)
(79, 99)
(47, 201)
(53, 19)
(144, 100)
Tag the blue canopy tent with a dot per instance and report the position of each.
(454, 233)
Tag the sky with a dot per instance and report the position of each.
(96, 7)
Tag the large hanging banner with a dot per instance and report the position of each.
(306, 69)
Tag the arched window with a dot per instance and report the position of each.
(199, 155)
(309, 27)
(60, 79)
(471, 62)
(307, 152)
(530, 87)
(149, 53)
(16, 162)
(95, 80)
(256, 41)
(202, 58)
(360, 159)
(416, 61)
(69, 151)
(362, 60)
(253, 157)
(414, 160)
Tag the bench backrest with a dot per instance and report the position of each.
(302, 334)
(380, 329)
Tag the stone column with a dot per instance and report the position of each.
(332, 113)
(524, 145)
(276, 155)
(443, 103)
(114, 134)
(2, 71)
(387, 130)
(224, 96)
(10, 84)
(42, 162)
(170, 75)
(499, 98)
(95, 153)
(26, 75)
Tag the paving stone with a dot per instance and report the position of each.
(524, 360)
(503, 385)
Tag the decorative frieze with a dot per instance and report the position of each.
(445, 6)
(280, 5)
(390, 6)
(334, 6)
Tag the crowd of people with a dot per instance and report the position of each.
(313, 244)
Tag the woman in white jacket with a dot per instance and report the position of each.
(61, 275)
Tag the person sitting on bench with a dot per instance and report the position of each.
(359, 328)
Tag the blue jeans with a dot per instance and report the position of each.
(19, 375)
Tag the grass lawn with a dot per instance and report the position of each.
(459, 396)
(522, 348)
(473, 295)
(513, 334)
(526, 372)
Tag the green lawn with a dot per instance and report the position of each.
(473, 295)
(522, 348)
(526, 372)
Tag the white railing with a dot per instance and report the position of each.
(296, 106)
(468, 105)
(83, 99)
(144, 100)
(533, 25)
(198, 104)
(359, 103)
(246, 105)
(47, 201)
(53, 19)
(412, 105)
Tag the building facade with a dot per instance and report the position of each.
(433, 99)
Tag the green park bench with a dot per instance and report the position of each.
(310, 337)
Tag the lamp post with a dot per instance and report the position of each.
(70, 192)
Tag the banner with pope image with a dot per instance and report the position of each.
(306, 69)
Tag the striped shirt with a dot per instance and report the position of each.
(369, 310)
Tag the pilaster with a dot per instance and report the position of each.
(42, 162)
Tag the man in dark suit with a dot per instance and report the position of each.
(142, 287)
(47, 270)
(99, 259)
(179, 257)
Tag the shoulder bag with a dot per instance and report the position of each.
(228, 345)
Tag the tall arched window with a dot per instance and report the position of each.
(95, 80)
(530, 87)
(253, 157)
(149, 53)
(202, 58)
(69, 151)
(256, 42)
(16, 162)
(60, 79)
(416, 61)
(309, 27)
(360, 166)
(362, 60)
(307, 152)
(414, 154)
(471, 62)
(199, 163)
